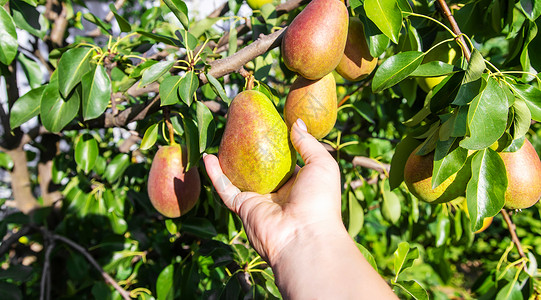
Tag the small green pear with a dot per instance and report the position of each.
(255, 152)
(313, 101)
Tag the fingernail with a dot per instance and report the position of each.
(301, 124)
(204, 155)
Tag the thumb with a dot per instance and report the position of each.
(308, 147)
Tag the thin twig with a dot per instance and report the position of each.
(511, 226)
(454, 25)
(45, 292)
(6, 244)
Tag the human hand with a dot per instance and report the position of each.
(308, 203)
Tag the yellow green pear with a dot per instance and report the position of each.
(257, 4)
(356, 63)
(313, 101)
(255, 152)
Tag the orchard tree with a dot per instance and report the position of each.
(435, 136)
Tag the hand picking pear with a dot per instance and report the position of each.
(313, 101)
(314, 42)
(255, 152)
(172, 190)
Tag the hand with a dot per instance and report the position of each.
(308, 202)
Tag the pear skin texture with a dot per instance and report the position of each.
(172, 191)
(356, 63)
(418, 178)
(313, 101)
(255, 152)
(314, 42)
(523, 176)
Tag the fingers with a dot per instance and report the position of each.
(308, 147)
(226, 190)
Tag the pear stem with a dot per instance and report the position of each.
(511, 226)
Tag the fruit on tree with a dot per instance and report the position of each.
(255, 152)
(314, 42)
(443, 52)
(172, 190)
(356, 63)
(418, 178)
(257, 4)
(313, 101)
(523, 169)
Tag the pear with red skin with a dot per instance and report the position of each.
(314, 42)
(314, 102)
(356, 63)
(173, 191)
(523, 169)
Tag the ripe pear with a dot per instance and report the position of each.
(356, 63)
(172, 190)
(418, 178)
(313, 101)
(314, 42)
(255, 152)
(523, 169)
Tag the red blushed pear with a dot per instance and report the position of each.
(356, 63)
(523, 169)
(313, 101)
(172, 190)
(314, 42)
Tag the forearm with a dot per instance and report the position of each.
(326, 264)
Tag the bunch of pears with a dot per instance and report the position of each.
(255, 152)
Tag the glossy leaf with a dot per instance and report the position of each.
(180, 10)
(96, 92)
(164, 283)
(56, 112)
(86, 152)
(106, 27)
(414, 289)
(8, 38)
(471, 84)
(434, 68)
(27, 17)
(26, 107)
(150, 137)
(404, 256)
(356, 215)
(532, 96)
(187, 87)
(398, 163)
(5, 161)
(485, 192)
(443, 229)
(368, 256)
(122, 22)
(390, 208)
(444, 93)
(510, 291)
(531, 8)
(218, 88)
(395, 69)
(192, 141)
(487, 117)
(160, 38)
(522, 118)
(116, 167)
(450, 163)
(205, 125)
(32, 70)
(73, 64)
(169, 90)
(156, 71)
(386, 15)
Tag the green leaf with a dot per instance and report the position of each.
(471, 84)
(532, 96)
(26, 107)
(404, 257)
(140, 69)
(485, 192)
(200, 227)
(122, 22)
(487, 117)
(5, 161)
(192, 141)
(187, 87)
(202, 25)
(171, 226)
(73, 64)
(150, 137)
(106, 27)
(27, 17)
(398, 162)
(367, 255)
(180, 10)
(8, 38)
(356, 215)
(164, 283)
(386, 15)
(413, 288)
(155, 72)
(378, 42)
(232, 40)
(160, 38)
(390, 208)
(31, 70)
(531, 8)
(449, 163)
(116, 167)
(169, 90)
(56, 112)
(395, 69)
(434, 68)
(96, 92)
(522, 118)
(218, 88)
(510, 291)
(86, 152)
(444, 93)
(205, 126)
(443, 229)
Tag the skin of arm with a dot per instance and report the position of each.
(298, 229)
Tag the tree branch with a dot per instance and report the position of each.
(369, 163)
(454, 25)
(511, 226)
(14, 237)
